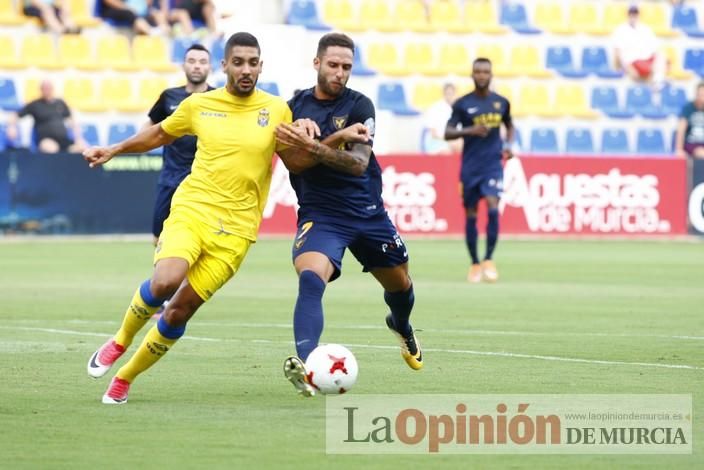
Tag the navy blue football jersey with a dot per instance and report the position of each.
(323, 189)
(481, 155)
(178, 156)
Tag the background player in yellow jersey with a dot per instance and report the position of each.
(215, 212)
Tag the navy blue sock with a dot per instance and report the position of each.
(492, 232)
(471, 235)
(308, 314)
(401, 304)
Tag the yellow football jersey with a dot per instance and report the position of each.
(231, 173)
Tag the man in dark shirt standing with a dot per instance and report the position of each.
(178, 156)
(477, 118)
(339, 192)
(52, 119)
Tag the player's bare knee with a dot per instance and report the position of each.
(164, 286)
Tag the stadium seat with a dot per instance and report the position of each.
(543, 140)
(614, 14)
(90, 134)
(650, 142)
(425, 94)
(454, 59)
(77, 51)
(514, 15)
(606, 100)
(392, 97)
(657, 17)
(419, 58)
(445, 16)
(572, 101)
(579, 142)
(482, 17)
(82, 15)
(305, 13)
(8, 94)
(525, 60)
(30, 89)
(269, 87)
(38, 50)
(80, 94)
(639, 100)
(9, 58)
(674, 59)
(411, 14)
(117, 94)
(584, 18)
(359, 66)
(118, 132)
(148, 92)
(595, 61)
(559, 58)
(499, 63)
(342, 15)
(179, 46)
(385, 57)
(151, 53)
(217, 52)
(673, 100)
(694, 61)
(114, 53)
(685, 19)
(614, 142)
(10, 15)
(549, 16)
(377, 15)
(535, 100)
(3, 137)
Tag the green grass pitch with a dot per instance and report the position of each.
(219, 400)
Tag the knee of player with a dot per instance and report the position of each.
(164, 287)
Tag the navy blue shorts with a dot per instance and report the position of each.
(162, 207)
(477, 187)
(374, 242)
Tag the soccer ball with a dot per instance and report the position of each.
(332, 369)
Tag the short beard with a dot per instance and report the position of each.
(327, 89)
(196, 82)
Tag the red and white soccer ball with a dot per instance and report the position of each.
(332, 369)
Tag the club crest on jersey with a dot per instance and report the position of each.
(263, 118)
(339, 121)
(497, 105)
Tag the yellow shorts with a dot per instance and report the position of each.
(213, 256)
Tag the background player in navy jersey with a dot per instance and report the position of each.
(178, 156)
(339, 186)
(477, 118)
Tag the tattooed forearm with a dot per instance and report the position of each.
(354, 163)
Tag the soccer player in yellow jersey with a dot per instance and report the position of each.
(215, 212)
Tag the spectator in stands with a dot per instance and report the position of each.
(53, 14)
(435, 120)
(142, 15)
(689, 140)
(51, 118)
(184, 11)
(636, 51)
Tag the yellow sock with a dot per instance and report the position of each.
(136, 316)
(153, 347)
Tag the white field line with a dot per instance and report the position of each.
(371, 346)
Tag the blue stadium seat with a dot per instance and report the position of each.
(8, 95)
(3, 137)
(304, 13)
(543, 140)
(605, 100)
(559, 58)
(90, 134)
(118, 132)
(392, 97)
(217, 53)
(694, 61)
(579, 141)
(514, 15)
(650, 142)
(639, 100)
(359, 67)
(673, 100)
(614, 142)
(179, 46)
(596, 61)
(685, 18)
(269, 87)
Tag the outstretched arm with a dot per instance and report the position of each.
(145, 140)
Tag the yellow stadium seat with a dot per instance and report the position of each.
(411, 15)
(117, 94)
(30, 91)
(149, 91)
(385, 58)
(425, 94)
(152, 53)
(342, 15)
(376, 15)
(615, 14)
(571, 100)
(81, 13)
(9, 58)
(584, 18)
(658, 18)
(10, 15)
(446, 16)
(675, 70)
(481, 16)
(506, 90)
(38, 50)
(525, 60)
(550, 17)
(419, 58)
(77, 51)
(80, 94)
(114, 53)
(454, 59)
(495, 53)
(535, 101)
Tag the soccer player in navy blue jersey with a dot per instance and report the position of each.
(477, 118)
(338, 184)
(178, 156)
